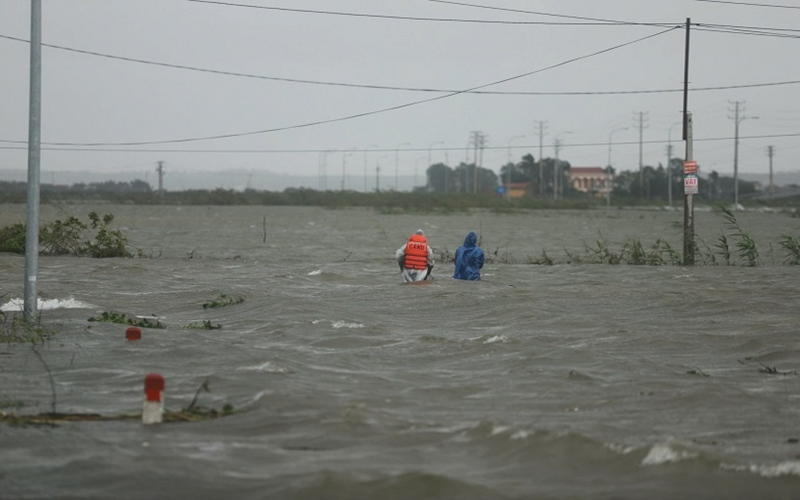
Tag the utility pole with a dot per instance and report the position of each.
(641, 159)
(557, 188)
(397, 165)
(556, 168)
(477, 141)
(688, 197)
(34, 155)
(540, 128)
(690, 181)
(160, 170)
(737, 118)
(770, 153)
(365, 164)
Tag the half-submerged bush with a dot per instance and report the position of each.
(68, 237)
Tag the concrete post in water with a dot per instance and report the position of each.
(153, 406)
(34, 155)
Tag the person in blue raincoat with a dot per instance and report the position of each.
(469, 259)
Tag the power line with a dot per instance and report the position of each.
(392, 87)
(549, 14)
(366, 113)
(595, 22)
(750, 4)
(374, 150)
(736, 30)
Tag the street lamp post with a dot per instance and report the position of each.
(416, 168)
(610, 187)
(365, 164)
(397, 165)
(378, 174)
(509, 167)
(429, 150)
(324, 169)
(610, 139)
(345, 154)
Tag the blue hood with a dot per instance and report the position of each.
(471, 240)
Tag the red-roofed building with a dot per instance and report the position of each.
(594, 180)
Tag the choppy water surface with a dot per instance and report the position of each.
(538, 382)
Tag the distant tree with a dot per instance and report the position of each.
(441, 178)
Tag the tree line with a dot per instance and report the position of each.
(463, 186)
(652, 184)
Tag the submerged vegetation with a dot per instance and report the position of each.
(192, 413)
(223, 300)
(124, 319)
(14, 329)
(734, 246)
(69, 237)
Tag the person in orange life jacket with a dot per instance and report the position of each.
(415, 258)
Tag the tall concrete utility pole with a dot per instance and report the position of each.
(641, 159)
(770, 153)
(397, 165)
(737, 118)
(556, 168)
(477, 140)
(160, 170)
(689, 164)
(34, 155)
(540, 127)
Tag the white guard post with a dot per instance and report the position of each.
(153, 406)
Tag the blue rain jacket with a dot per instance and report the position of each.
(469, 259)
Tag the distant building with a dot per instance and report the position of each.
(593, 180)
(517, 189)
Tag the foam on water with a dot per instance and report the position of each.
(344, 324)
(663, 453)
(787, 468)
(14, 305)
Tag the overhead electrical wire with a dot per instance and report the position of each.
(751, 4)
(383, 150)
(447, 93)
(391, 87)
(594, 22)
(743, 30)
(547, 14)
(363, 114)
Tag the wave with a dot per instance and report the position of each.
(15, 305)
(786, 468)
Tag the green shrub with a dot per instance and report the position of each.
(68, 238)
(12, 238)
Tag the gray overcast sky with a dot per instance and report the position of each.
(588, 63)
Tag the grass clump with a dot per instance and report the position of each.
(792, 247)
(115, 317)
(222, 301)
(205, 325)
(14, 330)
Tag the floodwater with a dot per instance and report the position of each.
(571, 381)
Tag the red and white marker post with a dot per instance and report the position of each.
(153, 406)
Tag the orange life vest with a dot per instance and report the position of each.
(416, 256)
